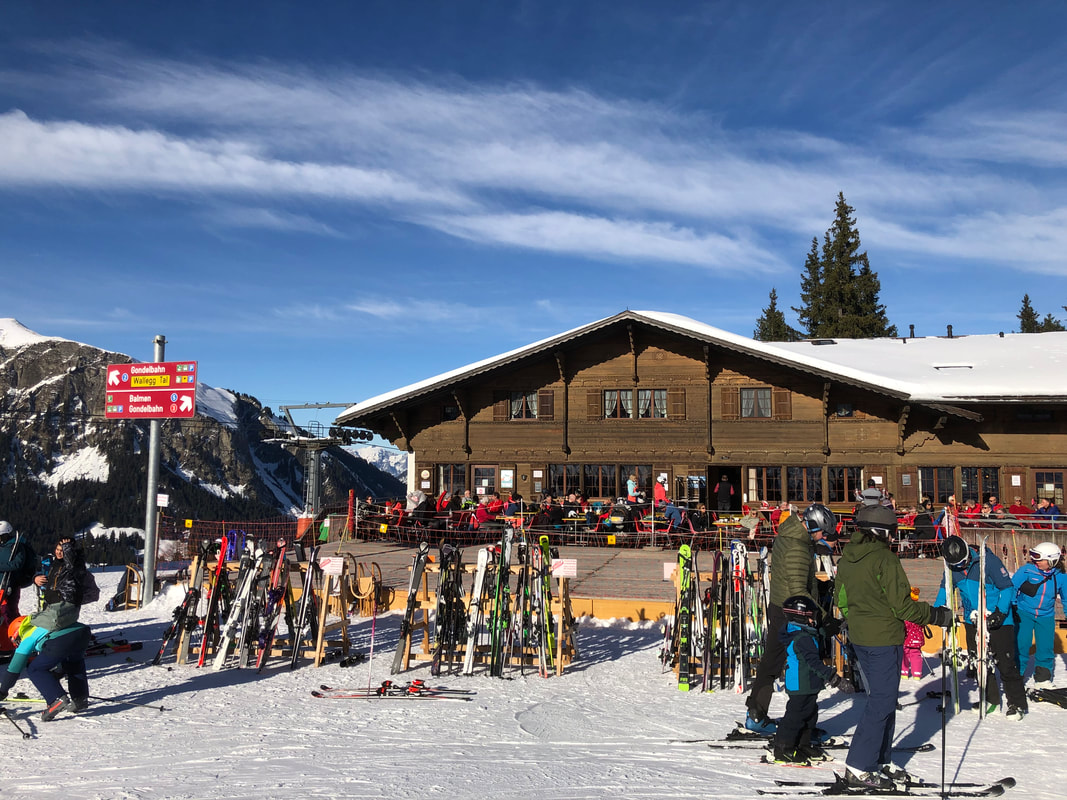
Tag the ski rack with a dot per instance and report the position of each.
(334, 595)
(566, 649)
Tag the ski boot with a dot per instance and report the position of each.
(868, 781)
(765, 726)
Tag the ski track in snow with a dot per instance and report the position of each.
(603, 730)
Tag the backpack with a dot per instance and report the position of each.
(90, 591)
(24, 576)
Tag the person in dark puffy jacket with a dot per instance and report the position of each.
(13, 555)
(63, 585)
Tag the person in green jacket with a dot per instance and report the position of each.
(62, 647)
(874, 595)
(792, 574)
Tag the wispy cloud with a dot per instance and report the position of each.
(270, 219)
(520, 166)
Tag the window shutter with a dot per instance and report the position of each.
(501, 407)
(676, 403)
(546, 404)
(781, 404)
(731, 402)
(593, 400)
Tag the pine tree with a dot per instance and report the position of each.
(1050, 324)
(838, 289)
(772, 327)
(1027, 317)
(810, 313)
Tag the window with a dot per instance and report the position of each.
(755, 403)
(449, 412)
(523, 405)
(842, 483)
(564, 478)
(844, 410)
(1049, 483)
(618, 404)
(978, 483)
(937, 483)
(765, 483)
(600, 480)
(451, 477)
(804, 484)
(652, 403)
(644, 478)
(484, 480)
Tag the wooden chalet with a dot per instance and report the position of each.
(658, 394)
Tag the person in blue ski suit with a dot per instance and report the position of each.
(963, 562)
(805, 676)
(1037, 584)
(48, 649)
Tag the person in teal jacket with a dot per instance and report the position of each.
(48, 649)
(1037, 584)
(963, 562)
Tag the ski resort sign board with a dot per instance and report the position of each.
(153, 390)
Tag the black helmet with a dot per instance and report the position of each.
(802, 610)
(957, 553)
(818, 517)
(877, 521)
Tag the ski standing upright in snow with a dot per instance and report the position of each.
(418, 566)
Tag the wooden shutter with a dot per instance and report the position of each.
(781, 404)
(501, 407)
(731, 402)
(546, 404)
(593, 405)
(676, 403)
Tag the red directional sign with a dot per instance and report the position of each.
(155, 390)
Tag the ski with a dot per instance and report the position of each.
(1055, 696)
(547, 642)
(839, 787)
(186, 610)
(413, 687)
(684, 623)
(831, 743)
(449, 619)
(307, 614)
(279, 580)
(475, 614)
(211, 618)
(246, 578)
(390, 696)
(1007, 783)
(500, 617)
(418, 566)
(981, 634)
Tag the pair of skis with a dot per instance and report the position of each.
(389, 690)
(838, 786)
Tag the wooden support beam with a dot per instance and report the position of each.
(561, 365)
(709, 379)
(826, 418)
(902, 422)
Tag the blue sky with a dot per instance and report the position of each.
(323, 201)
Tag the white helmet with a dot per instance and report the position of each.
(1046, 551)
(5, 529)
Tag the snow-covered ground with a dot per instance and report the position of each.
(603, 730)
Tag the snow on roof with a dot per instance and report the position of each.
(924, 370)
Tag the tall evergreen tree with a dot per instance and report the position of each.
(1027, 317)
(839, 290)
(810, 313)
(772, 327)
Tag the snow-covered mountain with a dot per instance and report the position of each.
(64, 467)
(393, 462)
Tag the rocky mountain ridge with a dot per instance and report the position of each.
(64, 467)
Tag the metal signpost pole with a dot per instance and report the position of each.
(150, 500)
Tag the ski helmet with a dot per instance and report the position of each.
(5, 530)
(818, 517)
(801, 610)
(13, 629)
(877, 521)
(957, 553)
(1046, 551)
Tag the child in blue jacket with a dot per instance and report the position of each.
(1037, 584)
(64, 647)
(963, 562)
(805, 676)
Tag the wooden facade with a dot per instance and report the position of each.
(584, 409)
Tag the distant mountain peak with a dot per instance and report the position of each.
(13, 334)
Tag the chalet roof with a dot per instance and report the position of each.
(935, 371)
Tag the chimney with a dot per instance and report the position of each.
(911, 331)
(949, 331)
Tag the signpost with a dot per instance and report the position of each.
(158, 390)
(155, 390)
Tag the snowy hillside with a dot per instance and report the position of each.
(603, 730)
(390, 461)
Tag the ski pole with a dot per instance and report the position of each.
(11, 719)
(119, 701)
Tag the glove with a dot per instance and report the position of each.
(995, 620)
(973, 619)
(832, 626)
(941, 617)
(843, 686)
